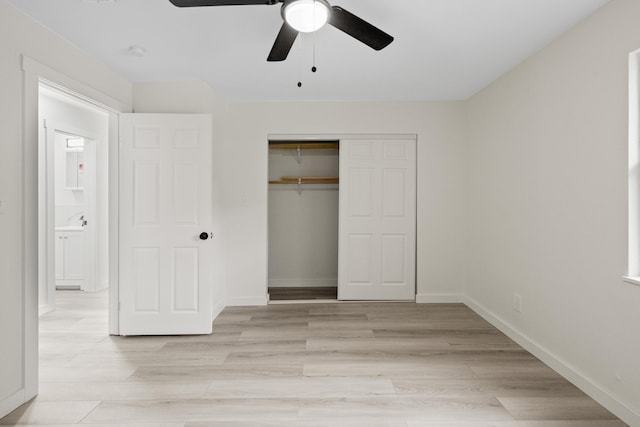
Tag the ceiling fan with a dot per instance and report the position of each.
(306, 16)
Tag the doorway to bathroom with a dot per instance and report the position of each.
(73, 183)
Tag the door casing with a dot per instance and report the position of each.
(35, 73)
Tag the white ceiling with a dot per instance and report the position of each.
(443, 49)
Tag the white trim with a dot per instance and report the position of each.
(46, 222)
(340, 136)
(91, 273)
(633, 267)
(11, 402)
(72, 87)
(217, 309)
(439, 298)
(633, 280)
(44, 309)
(247, 301)
(34, 74)
(114, 223)
(562, 367)
(30, 261)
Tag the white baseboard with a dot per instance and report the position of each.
(594, 390)
(302, 283)
(11, 402)
(44, 309)
(439, 298)
(217, 309)
(242, 301)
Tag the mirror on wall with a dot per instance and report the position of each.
(74, 150)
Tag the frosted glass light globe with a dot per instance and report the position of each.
(306, 16)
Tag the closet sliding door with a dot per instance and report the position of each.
(377, 221)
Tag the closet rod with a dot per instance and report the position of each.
(306, 180)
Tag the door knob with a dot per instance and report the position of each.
(204, 235)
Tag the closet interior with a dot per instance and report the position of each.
(303, 219)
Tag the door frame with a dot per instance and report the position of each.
(310, 137)
(35, 73)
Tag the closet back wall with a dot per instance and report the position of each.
(303, 220)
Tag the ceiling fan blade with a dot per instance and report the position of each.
(282, 45)
(359, 29)
(195, 3)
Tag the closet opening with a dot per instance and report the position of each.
(303, 220)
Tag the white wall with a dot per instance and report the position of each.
(548, 207)
(20, 35)
(441, 183)
(241, 132)
(303, 236)
(241, 176)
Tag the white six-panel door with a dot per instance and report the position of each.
(165, 204)
(377, 244)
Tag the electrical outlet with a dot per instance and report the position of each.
(517, 302)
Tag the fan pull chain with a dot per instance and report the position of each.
(313, 66)
(299, 62)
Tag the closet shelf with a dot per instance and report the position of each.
(304, 146)
(306, 180)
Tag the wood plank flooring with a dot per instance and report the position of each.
(300, 293)
(345, 364)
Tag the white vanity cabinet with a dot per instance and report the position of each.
(69, 257)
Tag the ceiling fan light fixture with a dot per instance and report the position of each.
(306, 16)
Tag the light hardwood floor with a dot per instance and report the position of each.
(351, 364)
